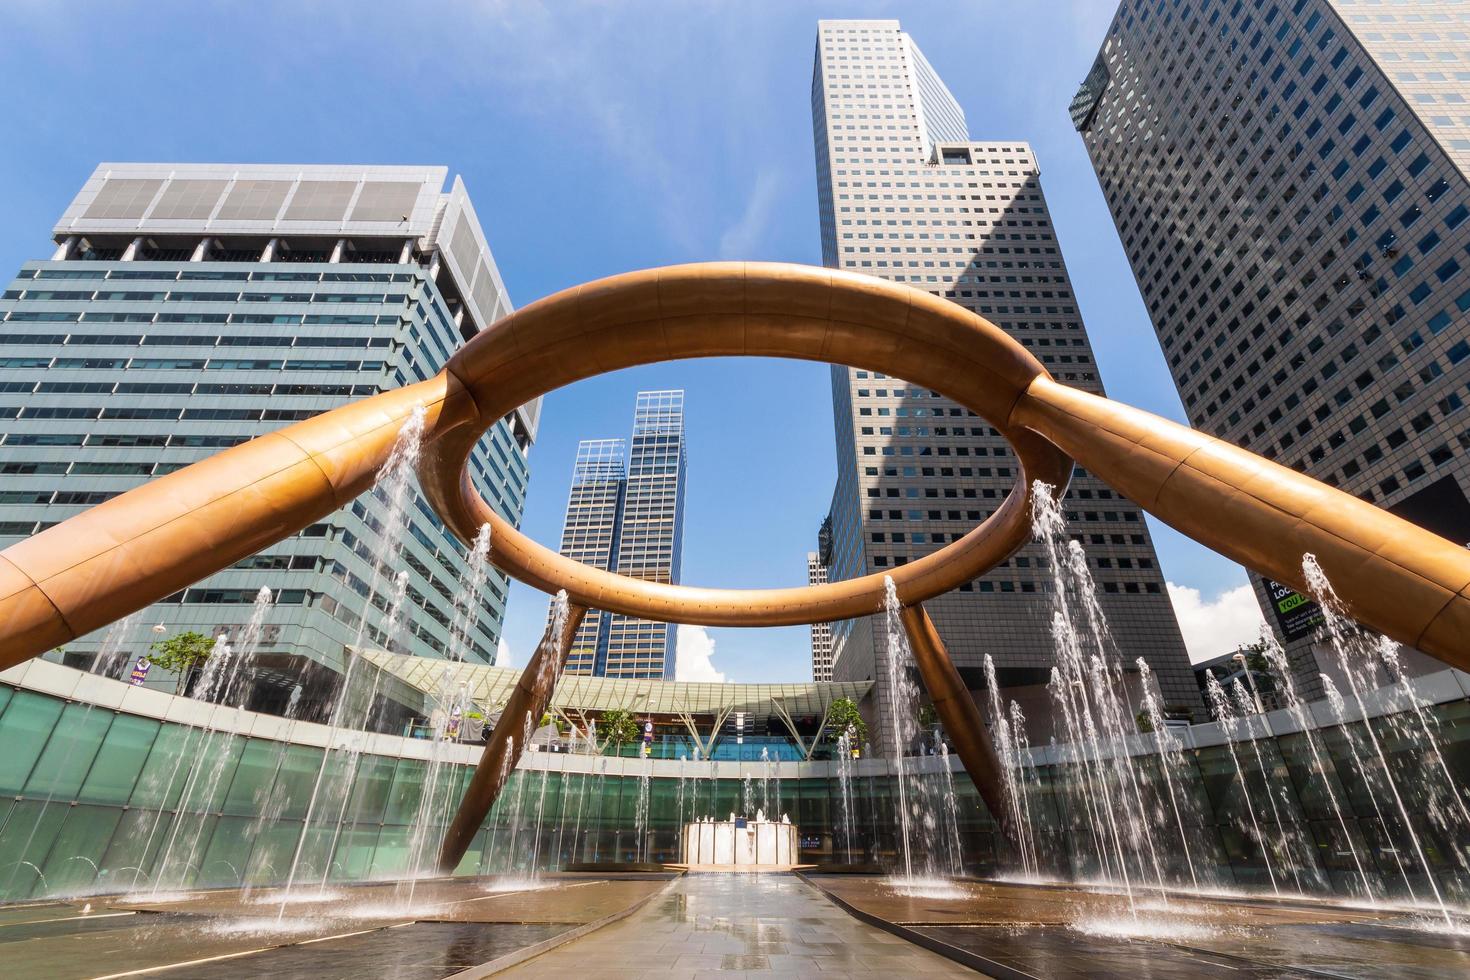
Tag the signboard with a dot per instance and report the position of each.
(1296, 615)
(140, 671)
(647, 738)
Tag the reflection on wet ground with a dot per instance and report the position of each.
(1070, 932)
(766, 924)
(773, 925)
(369, 930)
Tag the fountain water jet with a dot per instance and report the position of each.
(350, 707)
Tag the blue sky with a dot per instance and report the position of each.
(597, 138)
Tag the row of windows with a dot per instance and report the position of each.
(181, 296)
(189, 340)
(73, 273)
(187, 364)
(181, 388)
(109, 316)
(185, 414)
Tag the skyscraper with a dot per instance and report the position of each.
(191, 307)
(907, 195)
(590, 535)
(631, 522)
(816, 574)
(1289, 180)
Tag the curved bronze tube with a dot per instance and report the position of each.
(957, 711)
(531, 696)
(1397, 578)
(119, 556)
(122, 555)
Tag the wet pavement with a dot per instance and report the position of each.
(768, 925)
(358, 931)
(734, 924)
(1069, 932)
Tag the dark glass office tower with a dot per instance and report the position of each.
(907, 195)
(1289, 179)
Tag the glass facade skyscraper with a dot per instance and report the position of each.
(1289, 180)
(632, 522)
(188, 308)
(906, 195)
(590, 536)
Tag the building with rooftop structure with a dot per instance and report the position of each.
(191, 307)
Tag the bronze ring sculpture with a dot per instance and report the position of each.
(124, 554)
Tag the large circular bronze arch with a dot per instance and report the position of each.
(122, 555)
(135, 549)
(722, 309)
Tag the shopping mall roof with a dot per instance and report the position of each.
(491, 687)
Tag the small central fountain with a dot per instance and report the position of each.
(738, 844)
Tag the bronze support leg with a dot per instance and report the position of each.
(532, 695)
(959, 715)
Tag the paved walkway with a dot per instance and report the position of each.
(723, 925)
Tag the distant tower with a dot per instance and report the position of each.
(816, 574)
(630, 519)
(590, 536)
(652, 539)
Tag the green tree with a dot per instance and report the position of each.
(181, 653)
(843, 718)
(618, 727)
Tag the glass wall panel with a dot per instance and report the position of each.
(296, 778)
(164, 774)
(370, 792)
(74, 865)
(120, 761)
(69, 752)
(25, 728)
(255, 777)
(271, 852)
(403, 797)
(129, 857)
(227, 858)
(25, 840)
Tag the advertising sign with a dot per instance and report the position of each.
(140, 671)
(1297, 615)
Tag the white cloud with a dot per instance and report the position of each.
(1231, 619)
(502, 653)
(743, 239)
(695, 661)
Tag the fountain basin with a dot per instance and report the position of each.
(740, 845)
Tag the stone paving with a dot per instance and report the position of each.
(357, 931)
(722, 925)
(1074, 933)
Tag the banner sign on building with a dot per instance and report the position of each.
(1297, 615)
(140, 671)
